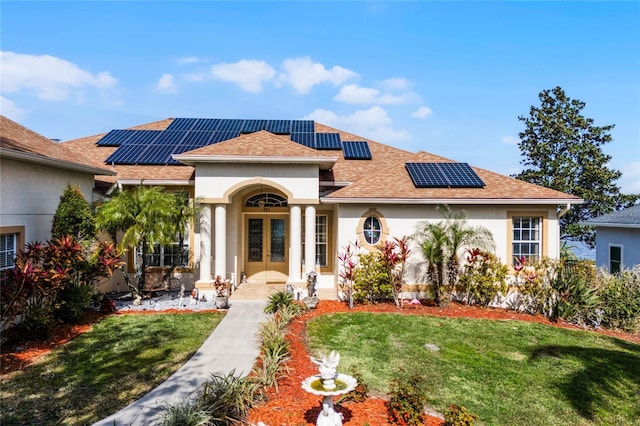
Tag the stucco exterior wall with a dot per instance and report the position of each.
(627, 238)
(213, 181)
(30, 194)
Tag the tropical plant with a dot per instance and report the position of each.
(442, 244)
(407, 401)
(576, 300)
(372, 279)
(185, 413)
(484, 277)
(228, 398)
(347, 270)
(146, 215)
(73, 216)
(277, 301)
(393, 255)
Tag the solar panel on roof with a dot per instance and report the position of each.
(127, 154)
(223, 136)
(230, 125)
(307, 139)
(302, 126)
(251, 126)
(160, 154)
(200, 138)
(115, 137)
(356, 150)
(328, 141)
(210, 124)
(142, 137)
(170, 137)
(443, 175)
(279, 127)
(182, 124)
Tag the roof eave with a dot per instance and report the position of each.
(476, 201)
(613, 225)
(54, 162)
(191, 160)
(156, 182)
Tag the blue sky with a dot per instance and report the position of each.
(449, 78)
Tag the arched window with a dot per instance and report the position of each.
(266, 200)
(372, 230)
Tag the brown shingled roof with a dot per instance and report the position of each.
(17, 138)
(394, 183)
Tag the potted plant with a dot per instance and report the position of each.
(222, 293)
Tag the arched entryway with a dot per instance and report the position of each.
(266, 239)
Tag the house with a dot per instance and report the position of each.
(34, 172)
(281, 198)
(617, 239)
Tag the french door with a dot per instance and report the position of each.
(266, 248)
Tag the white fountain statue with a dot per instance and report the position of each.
(328, 384)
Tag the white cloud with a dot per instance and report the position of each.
(302, 74)
(188, 60)
(354, 94)
(422, 112)
(51, 78)
(394, 84)
(373, 123)
(11, 110)
(630, 181)
(509, 140)
(167, 84)
(248, 74)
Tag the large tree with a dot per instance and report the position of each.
(562, 150)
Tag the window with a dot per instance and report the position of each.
(372, 230)
(322, 235)
(266, 200)
(165, 256)
(615, 259)
(7, 250)
(527, 238)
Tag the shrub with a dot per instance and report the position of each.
(576, 300)
(185, 413)
(457, 415)
(278, 300)
(620, 298)
(360, 393)
(406, 401)
(73, 300)
(372, 279)
(534, 285)
(227, 399)
(484, 277)
(73, 216)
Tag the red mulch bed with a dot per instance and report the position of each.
(291, 405)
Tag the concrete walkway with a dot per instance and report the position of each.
(233, 345)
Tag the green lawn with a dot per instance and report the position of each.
(506, 372)
(122, 358)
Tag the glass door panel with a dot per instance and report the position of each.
(255, 240)
(277, 247)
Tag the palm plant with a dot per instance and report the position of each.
(442, 244)
(145, 214)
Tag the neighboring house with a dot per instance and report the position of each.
(617, 239)
(34, 172)
(281, 198)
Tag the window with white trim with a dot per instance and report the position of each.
(168, 255)
(322, 239)
(372, 230)
(8, 243)
(527, 238)
(615, 259)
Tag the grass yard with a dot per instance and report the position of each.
(506, 372)
(122, 358)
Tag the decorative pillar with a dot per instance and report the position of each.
(310, 239)
(220, 267)
(205, 243)
(295, 244)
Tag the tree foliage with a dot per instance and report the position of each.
(562, 150)
(73, 216)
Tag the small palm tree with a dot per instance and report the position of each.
(442, 244)
(145, 216)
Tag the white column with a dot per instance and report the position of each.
(205, 243)
(295, 244)
(220, 267)
(310, 239)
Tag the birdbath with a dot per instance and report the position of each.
(328, 384)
